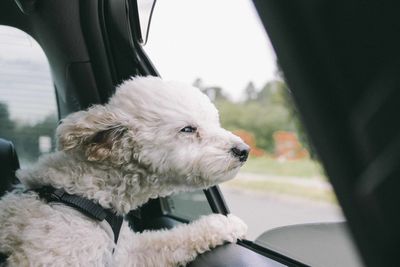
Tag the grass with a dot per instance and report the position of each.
(324, 195)
(305, 168)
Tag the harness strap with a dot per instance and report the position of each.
(3, 259)
(85, 206)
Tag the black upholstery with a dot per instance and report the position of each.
(8, 165)
(233, 255)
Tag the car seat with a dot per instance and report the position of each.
(8, 165)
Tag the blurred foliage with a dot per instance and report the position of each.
(262, 112)
(25, 136)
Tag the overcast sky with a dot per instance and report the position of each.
(220, 41)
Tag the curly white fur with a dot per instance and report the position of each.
(121, 155)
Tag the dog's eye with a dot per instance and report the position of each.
(189, 129)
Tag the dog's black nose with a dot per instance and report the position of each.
(241, 151)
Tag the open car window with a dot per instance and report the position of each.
(28, 108)
(229, 58)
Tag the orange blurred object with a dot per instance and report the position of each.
(249, 139)
(288, 147)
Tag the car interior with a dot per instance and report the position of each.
(339, 60)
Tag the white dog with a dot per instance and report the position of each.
(152, 139)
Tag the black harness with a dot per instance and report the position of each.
(85, 206)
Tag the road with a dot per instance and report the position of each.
(263, 211)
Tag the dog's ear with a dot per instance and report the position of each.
(94, 132)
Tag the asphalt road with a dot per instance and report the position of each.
(264, 211)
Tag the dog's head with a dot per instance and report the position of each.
(171, 129)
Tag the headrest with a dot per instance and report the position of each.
(8, 165)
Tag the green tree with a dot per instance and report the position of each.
(250, 92)
(262, 115)
(270, 110)
(262, 112)
(215, 93)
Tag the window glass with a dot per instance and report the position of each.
(186, 206)
(221, 47)
(28, 110)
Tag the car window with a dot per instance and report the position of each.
(223, 50)
(186, 206)
(28, 109)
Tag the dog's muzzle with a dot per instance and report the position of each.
(241, 152)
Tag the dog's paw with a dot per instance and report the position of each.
(238, 227)
(228, 228)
